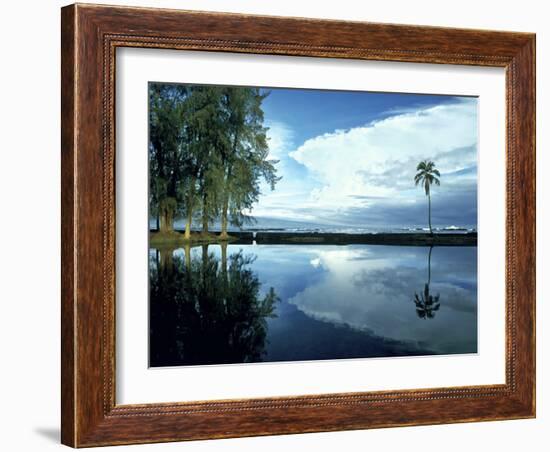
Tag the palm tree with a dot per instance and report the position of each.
(427, 304)
(427, 175)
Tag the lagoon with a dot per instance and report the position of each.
(245, 303)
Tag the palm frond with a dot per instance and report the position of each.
(421, 166)
(427, 174)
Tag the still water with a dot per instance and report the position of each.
(232, 303)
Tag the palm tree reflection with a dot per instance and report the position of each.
(427, 304)
(204, 310)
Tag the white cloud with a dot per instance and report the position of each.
(380, 297)
(315, 263)
(280, 140)
(281, 202)
(378, 160)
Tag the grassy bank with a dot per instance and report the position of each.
(320, 238)
(177, 237)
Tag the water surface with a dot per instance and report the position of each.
(253, 303)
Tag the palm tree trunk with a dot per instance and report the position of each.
(430, 265)
(430, 212)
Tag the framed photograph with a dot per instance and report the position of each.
(281, 225)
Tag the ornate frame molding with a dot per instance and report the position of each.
(90, 36)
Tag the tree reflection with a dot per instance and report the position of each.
(426, 303)
(206, 310)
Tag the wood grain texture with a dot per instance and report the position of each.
(90, 36)
(67, 226)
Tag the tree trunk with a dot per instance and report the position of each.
(225, 279)
(430, 212)
(190, 201)
(225, 209)
(223, 234)
(224, 262)
(187, 234)
(204, 214)
(166, 260)
(204, 258)
(166, 220)
(187, 249)
(223, 246)
(430, 265)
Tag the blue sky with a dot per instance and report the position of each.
(348, 158)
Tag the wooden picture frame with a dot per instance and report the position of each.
(90, 35)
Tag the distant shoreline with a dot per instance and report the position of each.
(321, 238)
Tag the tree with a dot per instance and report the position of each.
(426, 304)
(202, 126)
(244, 159)
(207, 154)
(211, 120)
(165, 152)
(426, 175)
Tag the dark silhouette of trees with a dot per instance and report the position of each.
(207, 311)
